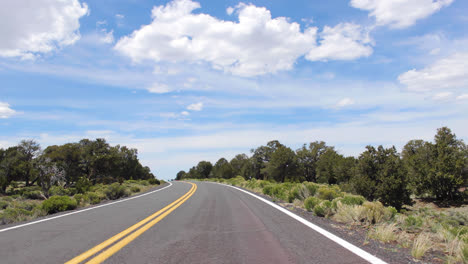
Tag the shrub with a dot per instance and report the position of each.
(154, 181)
(323, 209)
(81, 199)
(413, 223)
(116, 191)
(58, 191)
(353, 200)
(268, 190)
(311, 202)
(83, 185)
(299, 192)
(3, 204)
(375, 212)
(94, 198)
(11, 215)
(326, 193)
(135, 189)
(279, 192)
(34, 195)
(351, 214)
(311, 187)
(384, 233)
(58, 204)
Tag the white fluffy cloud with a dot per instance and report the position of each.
(399, 13)
(39, 26)
(344, 102)
(195, 107)
(257, 44)
(447, 73)
(345, 41)
(462, 97)
(159, 88)
(5, 110)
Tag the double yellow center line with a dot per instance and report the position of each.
(145, 224)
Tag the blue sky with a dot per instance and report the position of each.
(184, 81)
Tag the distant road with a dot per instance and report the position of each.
(185, 223)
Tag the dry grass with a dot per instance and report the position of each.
(421, 245)
(350, 214)
(384, 232)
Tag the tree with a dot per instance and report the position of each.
(448, 173)
(181, 175)
(261, 156)
(239, 164)
(380, 174)
(417, 156)
(308, 157)
(28, 150)
(283, 165)
(326, 166)
(10, 167)
(203, 169)
(49, 174)
(222, 169)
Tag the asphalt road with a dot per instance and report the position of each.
(214, 224)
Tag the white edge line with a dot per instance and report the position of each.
(84, 210)
(354, 249)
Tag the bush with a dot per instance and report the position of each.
(376, 213)
(323, 209)
(116, 191)
(58, 204)
(83, 185)
(268, 190)
(311, 202)
(311, 187)
(3, 205)
(11, 215)
(58, 191)
(81, 199)
(326, 193)
(353, 200)
(34, 195)
(154, 181)
(93, 197)
(299, 192)
(135, 189)
(279, 192)
(413, 223)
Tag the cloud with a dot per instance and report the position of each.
(119, 16)
(401, 13)
(462, 97)
(195, 107)
(345, 41)
(39, 26)
(255, 45)
(5, 110)
(442, 96)
(159, 88)
(344, 102)
(447, 73)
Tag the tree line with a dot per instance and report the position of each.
(436, 169)
(90, 161)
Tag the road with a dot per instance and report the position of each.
(212, 223)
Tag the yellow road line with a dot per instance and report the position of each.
(127, 231)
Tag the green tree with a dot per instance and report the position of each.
(308, 157)
(222, 169)
(239, 165)
(448, 173)
(203, 169)
(181, 175)
(283, 165)
(28, 151)
(380, 174)
(10, 167)
(417, 155)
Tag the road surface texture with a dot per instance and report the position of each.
(213, 224)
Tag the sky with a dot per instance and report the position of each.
(184, 81)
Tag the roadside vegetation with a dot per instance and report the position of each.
(415, 200)
(37, 182)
